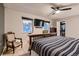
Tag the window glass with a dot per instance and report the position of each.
(46, 26)
(27, 26)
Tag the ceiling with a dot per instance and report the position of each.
(43, 9)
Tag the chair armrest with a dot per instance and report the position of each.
(19, 39)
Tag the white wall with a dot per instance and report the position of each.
(58, 28)
(13, 22)
(53, 22)
(72, 27)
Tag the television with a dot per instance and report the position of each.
(38, 23)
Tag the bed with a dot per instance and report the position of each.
(56, 46)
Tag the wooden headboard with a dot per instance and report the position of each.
(36, 36)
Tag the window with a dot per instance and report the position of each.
(27, 25)
(46, 26)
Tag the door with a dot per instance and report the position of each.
(62, 28)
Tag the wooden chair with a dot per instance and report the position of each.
(12, 41)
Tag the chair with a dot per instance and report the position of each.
(12, 41)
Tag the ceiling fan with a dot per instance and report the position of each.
(61, 9)
(58, 9)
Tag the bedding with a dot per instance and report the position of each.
(56, 46)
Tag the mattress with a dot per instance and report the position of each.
(56, 46)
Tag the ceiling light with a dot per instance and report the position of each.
(58, 11)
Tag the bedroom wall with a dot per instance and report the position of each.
(72, 27)
(53, 23)
(13, 22)
(1, 27)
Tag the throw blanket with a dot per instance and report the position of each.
(56, 46)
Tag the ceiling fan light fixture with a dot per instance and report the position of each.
(58, 11)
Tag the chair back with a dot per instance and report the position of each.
(10, 36)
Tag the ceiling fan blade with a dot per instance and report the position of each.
(52, 7)
(65, 9)
(57, 8)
